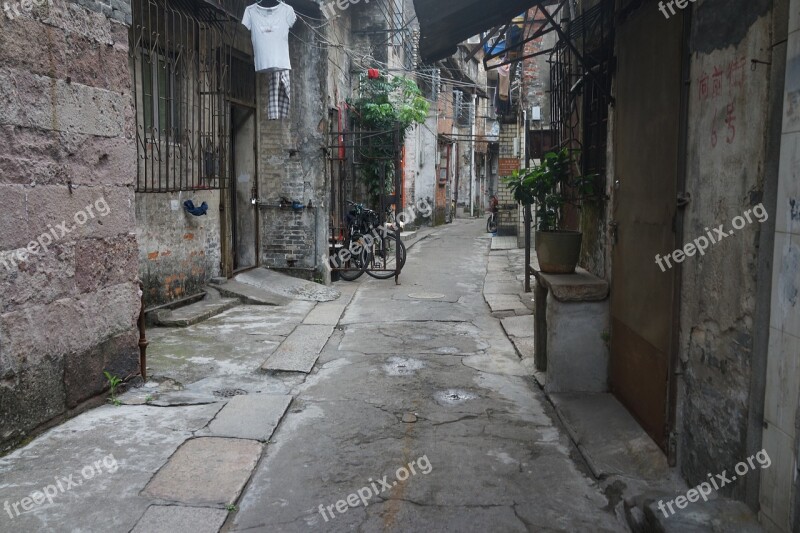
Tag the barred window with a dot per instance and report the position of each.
(180, 65)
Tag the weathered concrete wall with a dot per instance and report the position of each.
(68, 311)
(779, 494)
(426, 173)
(178, 252)
(726, 154)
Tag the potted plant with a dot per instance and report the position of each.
(549, 186)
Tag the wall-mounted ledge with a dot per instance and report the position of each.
(582, 286)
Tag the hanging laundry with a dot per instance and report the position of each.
(269, 30)
(504, 86)
(280, 94)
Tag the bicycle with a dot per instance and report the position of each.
(373, 247)
(353, 258)
(491, 222)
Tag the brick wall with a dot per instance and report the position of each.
(69, 311)
(292, 164)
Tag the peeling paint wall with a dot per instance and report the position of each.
(727, 132)
(178, 252)
(67, 312)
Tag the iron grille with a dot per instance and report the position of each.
(180, 63)
(580, 92)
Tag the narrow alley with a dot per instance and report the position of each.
(399, 266)
(418, 374)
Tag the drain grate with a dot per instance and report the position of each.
(229, 393)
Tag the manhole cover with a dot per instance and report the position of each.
(229, 393)
(425, 296)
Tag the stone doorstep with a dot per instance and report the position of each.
(250, 294)
(194, 313)
(614, 446)
(206, 471)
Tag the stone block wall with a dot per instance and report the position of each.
(69, 294)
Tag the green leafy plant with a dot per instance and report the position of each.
(384, 104)
(549, 186)
(113, 383)
(230, 508)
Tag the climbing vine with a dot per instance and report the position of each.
(385, 103)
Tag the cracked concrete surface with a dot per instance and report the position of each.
(499, 459)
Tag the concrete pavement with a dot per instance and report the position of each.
(417, 415)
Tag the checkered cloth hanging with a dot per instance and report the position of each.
(280, 94)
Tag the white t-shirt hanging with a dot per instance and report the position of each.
(269, 29)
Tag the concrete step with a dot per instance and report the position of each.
(195, 313)
(251, 294)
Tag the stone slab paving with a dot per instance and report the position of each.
(504, 243)
(506, 302)
(134, 442)
(326, 314)
(254, 416)
(300, 350)
(518, 326)
(206, 471)
(502, 287)
(178, 519)
(526, 346)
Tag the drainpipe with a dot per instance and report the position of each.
(142, 338)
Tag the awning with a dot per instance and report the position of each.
(444, 25)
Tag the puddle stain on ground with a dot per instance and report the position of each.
(402, 366)
(454, 397)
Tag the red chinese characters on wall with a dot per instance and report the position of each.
(723, 82)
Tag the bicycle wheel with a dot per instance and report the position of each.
(354, 264)
(384, 257)
(491, 224)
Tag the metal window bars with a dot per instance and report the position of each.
(180, 60)
(580, 81)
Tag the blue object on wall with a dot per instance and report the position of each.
(196, 211)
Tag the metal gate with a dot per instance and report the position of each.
(348, 160)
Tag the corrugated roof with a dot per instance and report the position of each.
(445, 24)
